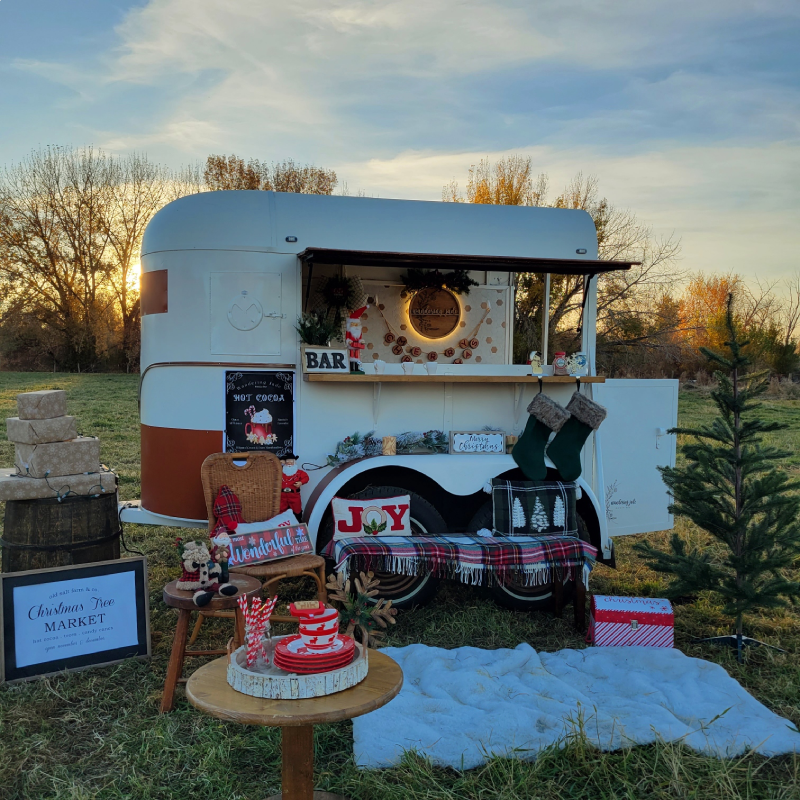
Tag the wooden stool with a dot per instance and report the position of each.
(182, 600)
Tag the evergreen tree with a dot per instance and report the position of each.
(731, 488)
(539, 516)
(517, 514)
(559, 514)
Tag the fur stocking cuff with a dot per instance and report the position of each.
(586, 411)
(548, 412)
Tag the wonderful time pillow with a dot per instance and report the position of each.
(379, 516)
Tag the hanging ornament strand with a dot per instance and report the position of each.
(393, 336)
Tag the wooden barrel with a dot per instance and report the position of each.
(38, 534)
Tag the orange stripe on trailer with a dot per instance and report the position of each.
(171, 460)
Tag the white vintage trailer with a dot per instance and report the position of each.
(225, 276)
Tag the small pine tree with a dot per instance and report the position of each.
(559, 514)
(539, 516)
(732, 488)
(517, 514)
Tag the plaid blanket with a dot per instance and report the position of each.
(227, 511)
(468, 558)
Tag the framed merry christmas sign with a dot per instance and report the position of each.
(259, 412)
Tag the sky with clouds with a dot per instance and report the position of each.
(687, 112)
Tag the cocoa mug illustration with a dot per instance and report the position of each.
(260, 425)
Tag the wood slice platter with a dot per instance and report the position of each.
(277, 684)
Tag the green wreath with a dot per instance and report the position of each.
(457, 281)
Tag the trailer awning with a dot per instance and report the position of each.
(441, 261)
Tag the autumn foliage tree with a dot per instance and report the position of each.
(231, 172)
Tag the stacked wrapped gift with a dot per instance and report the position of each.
(50, 459)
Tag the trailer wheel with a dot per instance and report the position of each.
(513, 594)
(405, 591)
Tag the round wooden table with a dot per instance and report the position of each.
(208, 690)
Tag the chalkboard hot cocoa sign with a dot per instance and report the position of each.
(259, 412)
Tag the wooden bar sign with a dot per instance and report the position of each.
(317, 360)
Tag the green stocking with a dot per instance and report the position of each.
(545, 417)
(565, 449)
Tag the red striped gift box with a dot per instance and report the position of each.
(631, 622)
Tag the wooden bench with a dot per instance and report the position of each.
(476, 560)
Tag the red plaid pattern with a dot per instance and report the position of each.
(227, 511)
(467, 557)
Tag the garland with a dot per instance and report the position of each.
(400, 342)
(457, 281)
(358, 445)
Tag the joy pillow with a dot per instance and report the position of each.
(380, 516)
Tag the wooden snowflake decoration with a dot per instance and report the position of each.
(358, 609)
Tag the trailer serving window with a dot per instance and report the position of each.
(323, 261)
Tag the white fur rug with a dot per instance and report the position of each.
(459, 707)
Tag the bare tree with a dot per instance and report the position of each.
(627, 300)
(53, 242)
(790, 314)
(71, 223)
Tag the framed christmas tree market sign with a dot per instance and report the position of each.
(69, 618)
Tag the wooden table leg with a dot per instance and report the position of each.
(579, 601)
(175, 667)
(557, 594)
(297, 770)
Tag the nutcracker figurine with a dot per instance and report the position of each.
(353, 341)
(293, 479)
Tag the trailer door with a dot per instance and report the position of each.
(633, 443)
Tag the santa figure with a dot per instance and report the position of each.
(353, 339)
(293, 479)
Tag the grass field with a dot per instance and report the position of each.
(98, 733)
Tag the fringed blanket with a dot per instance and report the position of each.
(468, 558)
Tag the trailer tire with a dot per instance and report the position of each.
(405, 591)
(517, 597)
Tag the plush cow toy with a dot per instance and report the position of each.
(201, 574)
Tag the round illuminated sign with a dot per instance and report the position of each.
(434, 313)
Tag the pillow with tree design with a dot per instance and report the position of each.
(538, 508)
